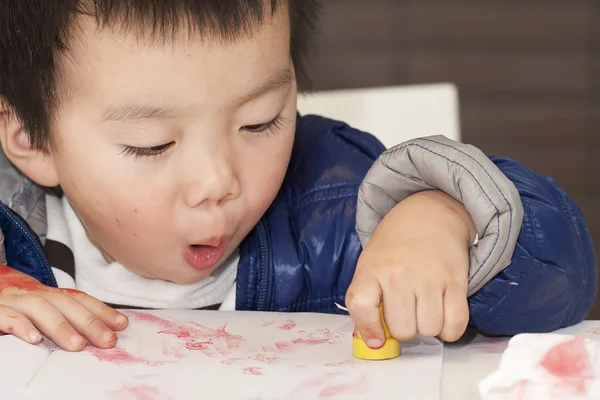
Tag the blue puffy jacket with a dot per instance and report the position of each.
(302, 254)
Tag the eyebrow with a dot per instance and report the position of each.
(283, 79)
(140, 111)
(135, 112)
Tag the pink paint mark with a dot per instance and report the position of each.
(172, 352)
(492, 346)
(328, 386)
(213, 342)
(288, 325)
(332, 391)
(252, 371)
(341, 363)
(138, 392)
(233, 361)
(265, 359)
(319, 337)
(70, 292)
(118, 356)
(15, 279)
(522, 389)
(570, 364)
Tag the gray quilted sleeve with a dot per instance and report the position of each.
(463, 172)
(2, 250)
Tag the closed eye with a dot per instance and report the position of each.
(268, 127)
(138, 152)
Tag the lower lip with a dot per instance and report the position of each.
(202, 258)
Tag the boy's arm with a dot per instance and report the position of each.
(533, 268)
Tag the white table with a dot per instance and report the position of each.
(469, 360)
(474, 357)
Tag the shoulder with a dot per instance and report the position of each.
(329, 154)
(301, 256)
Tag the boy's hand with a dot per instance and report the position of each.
(417, 263)
(68, 317)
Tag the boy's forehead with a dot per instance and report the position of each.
(107, 62)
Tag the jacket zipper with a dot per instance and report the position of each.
(264, 268)
(34, 241)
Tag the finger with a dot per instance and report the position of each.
(456, 314)
(362, 300)
(48, 320)
(14, 323)
(83, 320)
(399, 308)
(430, 310)
(111, 317)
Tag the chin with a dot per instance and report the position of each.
(188, 279)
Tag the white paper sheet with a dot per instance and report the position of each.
(173, 355)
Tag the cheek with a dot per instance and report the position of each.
(263, 175)
(116, 217)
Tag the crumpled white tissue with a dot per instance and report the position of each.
(546, 367)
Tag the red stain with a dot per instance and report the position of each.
(522, 389)
(493, 346)
(332, 391)
(321, 336)
(213, 342)
(4, 269)
(252, 371)
(265, 359)
(328, 390)
(570, 363)
(71, 292)
(138, 392)
(341, 363)
(172, 352)
(233, 361)
(19, 280)
(288, 325)
(118, 356)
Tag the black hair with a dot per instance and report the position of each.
(34, 34)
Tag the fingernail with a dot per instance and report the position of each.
(120, 319)
(77, 341)
(374, 343)
(35, 336)
(108, 336)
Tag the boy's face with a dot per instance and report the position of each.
(213, 123)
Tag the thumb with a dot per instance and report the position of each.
(362, 300)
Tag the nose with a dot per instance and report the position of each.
(212, 179)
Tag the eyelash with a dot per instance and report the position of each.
(270, 128)
(139, 152)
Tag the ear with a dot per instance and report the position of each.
(37, 165)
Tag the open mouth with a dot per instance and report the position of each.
(202, 257)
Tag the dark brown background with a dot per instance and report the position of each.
(528, 74)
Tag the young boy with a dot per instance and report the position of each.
(187, 180)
